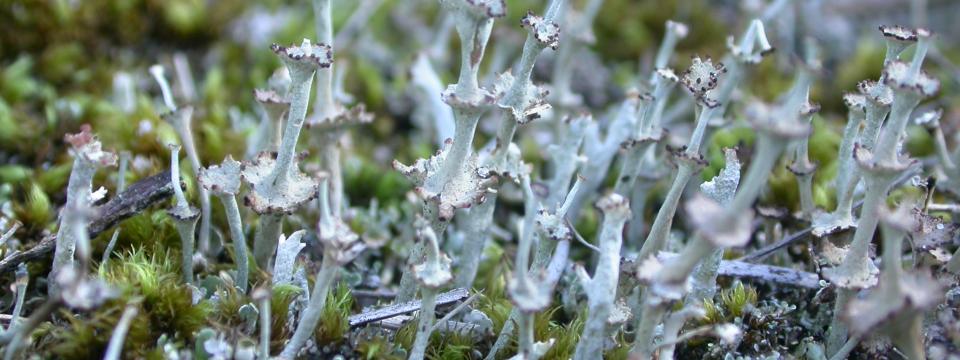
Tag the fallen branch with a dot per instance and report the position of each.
(390, 311)
(745, 270)
(130, 202)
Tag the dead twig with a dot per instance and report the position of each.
(130, 202)
(390, 311)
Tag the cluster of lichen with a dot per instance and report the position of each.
(58, 60)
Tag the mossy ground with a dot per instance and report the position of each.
(57, 65)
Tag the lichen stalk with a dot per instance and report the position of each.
(115, 346)
(909, 86)
(311, 315)
(476, 230)
(601, 288)
(264, 240)
(660, 230)
(78, 193)
(235, 222)
(301, 82)
(187, 226)
(431, 274)
(428, 303)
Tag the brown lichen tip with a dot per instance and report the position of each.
(507, 164)
(664, 288)
(85, 146)
(546, 32)
(433, 274)
(802, 169)
(809, 108)
(486, 8)
(875, 92)
(223, 179)
(434, 270)
(265, 197)
(680, 155)
(898, 33)
(702, 76)
(179, 118)
(466, 188)
(855, 102)
(184, 213)
(716, 225)
(898, 75)
(305, 54)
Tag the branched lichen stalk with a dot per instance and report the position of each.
(468, 101)
(601, 289)
(909, 86)
(88, 156)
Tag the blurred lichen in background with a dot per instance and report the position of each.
(479, 179)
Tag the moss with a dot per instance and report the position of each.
(280, 302)
(334, 319)
(730, 303)
(378, 347)
(565, 335)
(34, 209)
(87, 336)
(167, 305)
(450, 346)
(227, 310)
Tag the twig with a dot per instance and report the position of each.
(455, 311)
(390, 311)
(765, 251)
(745, 270)
(580, 238)
(380, 294)
(132, 201)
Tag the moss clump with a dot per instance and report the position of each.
(378, 347)
(334, 319)
(731, 303)
(86, 336)
(283, 296)
(34, 209)
(167, 305)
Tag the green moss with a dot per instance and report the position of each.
(54, 179)
(167, 305)
(283, 296)
(86, 336)
(334, 319)
(227, 310)
(33, 209)
(730, 303)
(378, 347)
(565, 335)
